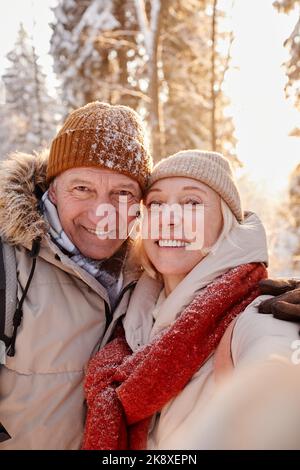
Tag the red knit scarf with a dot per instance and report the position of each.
(124, 390)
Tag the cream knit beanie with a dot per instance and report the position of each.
(211, 168)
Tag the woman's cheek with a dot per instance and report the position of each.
(149, 247)
(212, 227)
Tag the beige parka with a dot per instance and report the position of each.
(64, 320)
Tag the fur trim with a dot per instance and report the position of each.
(20, 220)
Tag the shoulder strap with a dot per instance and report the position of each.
(2, 300)
(223, 362)
(13, 312)
(8, 295)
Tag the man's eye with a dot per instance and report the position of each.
(125, 193)
(81, 189)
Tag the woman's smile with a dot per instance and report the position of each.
(172, 243)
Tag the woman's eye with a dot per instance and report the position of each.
(193, 202)
(154, 205)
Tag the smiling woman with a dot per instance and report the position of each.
(186, 330)
(172, 266)
(202, 180)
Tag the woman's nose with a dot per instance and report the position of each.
(172, 216)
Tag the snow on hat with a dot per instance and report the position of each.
(105, 136)
(211, 168)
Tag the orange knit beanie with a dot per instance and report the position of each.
(105, 136)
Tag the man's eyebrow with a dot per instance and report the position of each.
(126, 185)
(80, 181)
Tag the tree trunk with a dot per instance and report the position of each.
(213, 76)
(155, 111)
(151, 29)
(37, 93)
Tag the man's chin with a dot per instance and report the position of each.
(106, 250)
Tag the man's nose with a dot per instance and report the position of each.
(100, 208)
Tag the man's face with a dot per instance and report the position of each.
(87, 197)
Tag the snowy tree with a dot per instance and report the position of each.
(167, 59)
(194, 110)
(129, 56)
(221, 129)
(76, 86)
(27, 102)
(292, 87)
(276, 218)
(150, 25)
(185, 73)
(6, 126)
(294, 212)
(93, 43)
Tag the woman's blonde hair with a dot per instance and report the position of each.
(140, 256)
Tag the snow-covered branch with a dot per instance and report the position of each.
(148, 29)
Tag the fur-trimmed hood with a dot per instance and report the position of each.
(21, 175)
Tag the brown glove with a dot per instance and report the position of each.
(286, 303)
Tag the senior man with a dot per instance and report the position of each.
(80, 279)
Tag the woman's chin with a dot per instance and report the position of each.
(172, 270)
(175, 263)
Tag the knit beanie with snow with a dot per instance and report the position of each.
(211, 168)
(105, 136)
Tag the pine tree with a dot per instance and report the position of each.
(185, 72)
(128, 63)
(194, 70)
(66, 51)
(27, 102)
(194, 116)
(292, 66)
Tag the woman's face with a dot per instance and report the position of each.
(169, 235)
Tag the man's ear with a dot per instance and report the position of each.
(52, 192)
